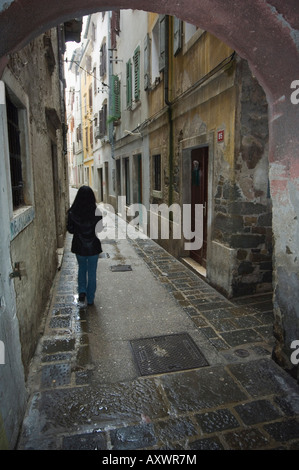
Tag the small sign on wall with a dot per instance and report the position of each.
(220, 136)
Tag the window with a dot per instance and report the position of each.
(129, 83)
(93, 32)
(157, 172)
(15, 156)
(137, 74)
(91, 135)
(155, 52)
(79, 133)
(129, 74)
(88, 63)
(18, 159)
(115, 27)
(86, 138)
(162, 44)
(103, 120)
(85, 105)
(90, 96)
(103, 60)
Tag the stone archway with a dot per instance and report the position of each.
(264, 33)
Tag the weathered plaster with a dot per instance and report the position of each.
(12, 381)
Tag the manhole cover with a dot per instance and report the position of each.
(162, 354)
(121, 267)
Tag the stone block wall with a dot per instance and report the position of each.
(30, 76)
(245, 227)
(242, 204)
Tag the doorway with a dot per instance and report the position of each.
(56, 193)
(100, 185)
(137, 178)
(199, 195)
(127, 180)
(106, 183)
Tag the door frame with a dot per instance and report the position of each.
(187, 145)
(199, 195)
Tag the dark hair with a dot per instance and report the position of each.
(84, 205)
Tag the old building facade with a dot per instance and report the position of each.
(185, 124)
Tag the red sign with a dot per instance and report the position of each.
(220, 136)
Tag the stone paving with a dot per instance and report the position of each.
(242, 400)
(226, 324)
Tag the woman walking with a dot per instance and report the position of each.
(81, 223)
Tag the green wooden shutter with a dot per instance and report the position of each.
(115, 92)
(137, 74)
(146, 62)
(129, 83)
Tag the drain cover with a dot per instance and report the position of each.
(242, 352)
(121, 267)
(162, 354)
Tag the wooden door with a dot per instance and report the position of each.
(199, 195)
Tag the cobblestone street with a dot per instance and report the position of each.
(86, 390)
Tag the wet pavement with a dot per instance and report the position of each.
(160, 361)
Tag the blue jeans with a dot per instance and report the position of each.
(87, 276)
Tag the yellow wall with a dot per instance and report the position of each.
(87, 116)
(211, 106)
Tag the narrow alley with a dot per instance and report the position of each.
(186, 114)
(161, 361)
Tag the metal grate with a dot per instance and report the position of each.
(162, 354)
(121, 267)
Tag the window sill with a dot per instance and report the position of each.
(22, 217)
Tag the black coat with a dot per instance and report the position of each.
(85, 242)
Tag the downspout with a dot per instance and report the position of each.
(110, 73)
(169, 112)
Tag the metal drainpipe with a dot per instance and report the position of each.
(169, 111)
(110, 73)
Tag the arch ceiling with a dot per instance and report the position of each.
(259, 31)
